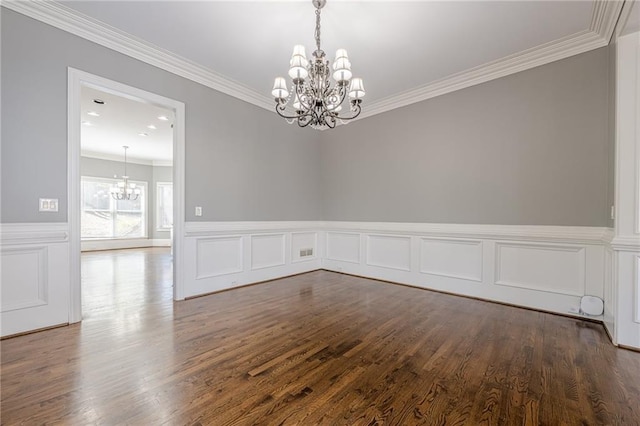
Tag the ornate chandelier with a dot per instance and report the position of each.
(124, 190)
(315, 102)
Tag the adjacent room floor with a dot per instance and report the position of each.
(317, 348)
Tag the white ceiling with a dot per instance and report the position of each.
(395, 46)
(406, 51)
(119, 124)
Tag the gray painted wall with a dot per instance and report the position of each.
(528, 149)
(243, 163)
(95, 167)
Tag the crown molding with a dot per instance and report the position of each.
(625, 14)
(67, 19)
(603, 22)
(605, 17)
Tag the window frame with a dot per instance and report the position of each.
(158, 226)
(113, 208)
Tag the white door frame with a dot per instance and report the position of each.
(77, 79)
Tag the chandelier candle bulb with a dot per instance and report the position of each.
(280, 88)
(356, 90)
(315, 101)
(298, 68)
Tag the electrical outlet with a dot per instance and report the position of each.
(48, 204)
(613, 212)
(198, 211)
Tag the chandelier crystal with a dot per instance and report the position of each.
(315, 102)
(124, 190)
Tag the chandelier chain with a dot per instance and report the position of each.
(317, 32)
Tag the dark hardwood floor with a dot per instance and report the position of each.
(318, 348)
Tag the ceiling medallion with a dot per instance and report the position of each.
(315, 102)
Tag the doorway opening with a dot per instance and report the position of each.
(115, 204)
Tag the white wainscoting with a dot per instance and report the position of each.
(519, 265)
(267, 250)
(343, 247)
(389, 251)
(222, 255)
(544, 267)
(216, 256)
(35, 276)
(452, 258)
(541, 267)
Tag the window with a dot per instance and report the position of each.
(164, 206)
(103, 217)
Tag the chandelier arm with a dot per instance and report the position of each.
(302, 123)
(299, 117)
(357, 110)
(280, 108)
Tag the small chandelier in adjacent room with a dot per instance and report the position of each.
(315, 102)
(124, 190)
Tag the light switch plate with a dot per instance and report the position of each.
(48, 204)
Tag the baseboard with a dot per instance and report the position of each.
(98, 245)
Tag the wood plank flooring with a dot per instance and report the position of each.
(319, 348)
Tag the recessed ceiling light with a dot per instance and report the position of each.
(93, 114)
(87, 123)
(99, 101)
(152, 127)
(143, 134)
(163, 118)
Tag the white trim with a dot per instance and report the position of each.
(521, 61)
(625, 13)
(573, 234)
(42, 286)
(461, 241)
(77, 79)
(115, 244)
(33, 233)
(636, 296)
(626, 243)
(603, 20)
(604, 17)
(74, 22)
(200, 229)
(498, 280)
